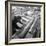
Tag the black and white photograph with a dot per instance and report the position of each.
(24, 22)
